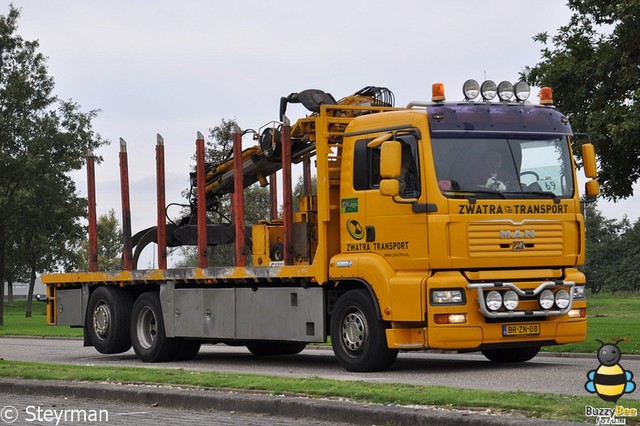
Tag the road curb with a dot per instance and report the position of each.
(274, 405)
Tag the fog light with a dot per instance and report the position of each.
(450, 318)
(546, 299)
(511, 300)
(562, 299)
(494, 300)
(577, 313)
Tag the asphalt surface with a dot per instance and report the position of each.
(548, 374)
(143, 404)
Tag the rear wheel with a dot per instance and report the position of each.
(511, 354)
(147, 331)
(358, 336)
(188, 349)
(108, 318)
(275, 348)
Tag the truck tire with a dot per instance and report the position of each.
(108, 318)
(275, 348)
(147, 331)
(511, 354)
(358, 336)
(188, 349)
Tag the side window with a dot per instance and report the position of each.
(409, 175)
(366, 166)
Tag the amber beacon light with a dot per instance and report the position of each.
(437, 92)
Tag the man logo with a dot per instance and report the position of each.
(517, 245)
(529, 233)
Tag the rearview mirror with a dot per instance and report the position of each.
(390, 159)
(589, 160)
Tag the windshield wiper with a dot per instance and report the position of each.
(473, 193)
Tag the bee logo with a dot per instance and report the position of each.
(609, 381)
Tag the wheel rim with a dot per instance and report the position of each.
(101, 319)
(147, 328)
(354, 332)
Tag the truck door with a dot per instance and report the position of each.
(391, 226)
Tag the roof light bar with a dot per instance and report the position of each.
(522, 91)
(470, 89)
(505, 91)
(488, 90)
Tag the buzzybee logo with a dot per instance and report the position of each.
(609, 381)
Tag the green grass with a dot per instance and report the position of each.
(528, 404)
(16, 324)
(609, 317)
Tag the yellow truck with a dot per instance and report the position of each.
(439, 225)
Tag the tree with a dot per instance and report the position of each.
(592, 65)
(613, 253)
(48, 239)
(42, 139)
(602, 239)
(110, 246)
(629, 266)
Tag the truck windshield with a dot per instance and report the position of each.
(503, 166)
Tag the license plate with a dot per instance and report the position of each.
(520, 329)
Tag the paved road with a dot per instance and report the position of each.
(562, 375)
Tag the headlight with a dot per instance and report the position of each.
(494, 300)
(522, 91)
(488, 90)
(562, 299)
(447, 297)
(511, 300)
(505, 91)
(471, 89)
(546, 299)
(578, 292)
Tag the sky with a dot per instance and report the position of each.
(176, 68)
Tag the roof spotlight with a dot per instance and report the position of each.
(522, 91)
(488, 90)
(471, 90)
(505, 91)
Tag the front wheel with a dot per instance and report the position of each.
(147, 331)
(511, 355)
(358, 336)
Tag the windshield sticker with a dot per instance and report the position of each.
(349, 205)
(516, 209)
